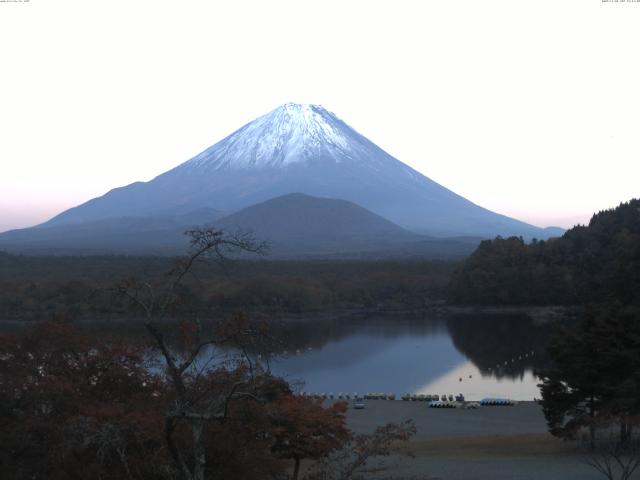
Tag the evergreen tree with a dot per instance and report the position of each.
(595, 378)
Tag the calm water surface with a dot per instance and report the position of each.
(478, 357)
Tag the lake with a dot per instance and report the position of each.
(476, 356)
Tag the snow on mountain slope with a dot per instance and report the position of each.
(307, 149)
(289, 134)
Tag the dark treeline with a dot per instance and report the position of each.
(36, 288)
(591, 384)
(593, 263)
(591, 389)
(501, 345)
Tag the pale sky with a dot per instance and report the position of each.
(529, 108)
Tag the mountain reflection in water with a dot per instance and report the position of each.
(478, 356)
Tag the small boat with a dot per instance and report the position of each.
(442, 404)
(498, 402)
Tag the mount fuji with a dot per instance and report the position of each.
(292, 149)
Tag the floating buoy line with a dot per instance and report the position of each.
(512, 361)
(433, 401)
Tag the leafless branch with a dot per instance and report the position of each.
(155, 302)
(613, 459)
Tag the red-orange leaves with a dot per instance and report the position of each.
(302, 428)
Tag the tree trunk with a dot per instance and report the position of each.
(199, 454)
(625, 433)
(296, 468)
(183, 470)
(592, 428)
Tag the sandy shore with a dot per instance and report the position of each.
(497, 443)
(431, 423)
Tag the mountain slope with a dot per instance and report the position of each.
(294, 225)
(128, 234)
(301, 148)
(298, 223)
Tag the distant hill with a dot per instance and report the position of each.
(298, 223)
(307, 149)
(594, 263)
(302, 225)
(128, 235)
(295, 225)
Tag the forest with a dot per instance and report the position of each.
(592, 263)
(37, 288)
(591, 384)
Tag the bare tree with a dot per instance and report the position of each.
(614, 458)
(365, 455)
(194, 403)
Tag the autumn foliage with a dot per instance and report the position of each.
(73, 406)
(304, 429)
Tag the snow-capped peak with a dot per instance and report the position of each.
(292, 133)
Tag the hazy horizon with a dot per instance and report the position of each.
(528, 120)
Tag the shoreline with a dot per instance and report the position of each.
(490, 443)
(540, 314)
